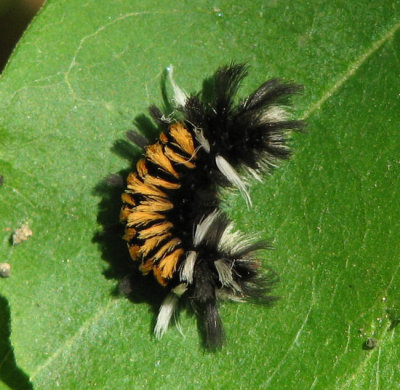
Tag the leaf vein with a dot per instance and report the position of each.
(351, 70)
(72, 339)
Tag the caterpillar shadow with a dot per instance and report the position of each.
(131, 282)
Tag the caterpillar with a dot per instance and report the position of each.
(174, 226)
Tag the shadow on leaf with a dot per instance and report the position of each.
(10, 374)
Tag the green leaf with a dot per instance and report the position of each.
(83, 72)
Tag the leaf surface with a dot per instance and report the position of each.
(83, 72)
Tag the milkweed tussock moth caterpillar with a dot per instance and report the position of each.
(173, 224)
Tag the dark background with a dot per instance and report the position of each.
(15, 15)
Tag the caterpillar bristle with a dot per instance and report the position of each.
(174, 226)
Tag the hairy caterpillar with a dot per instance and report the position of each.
(174, 227)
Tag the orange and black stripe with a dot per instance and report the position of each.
(147, 203)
